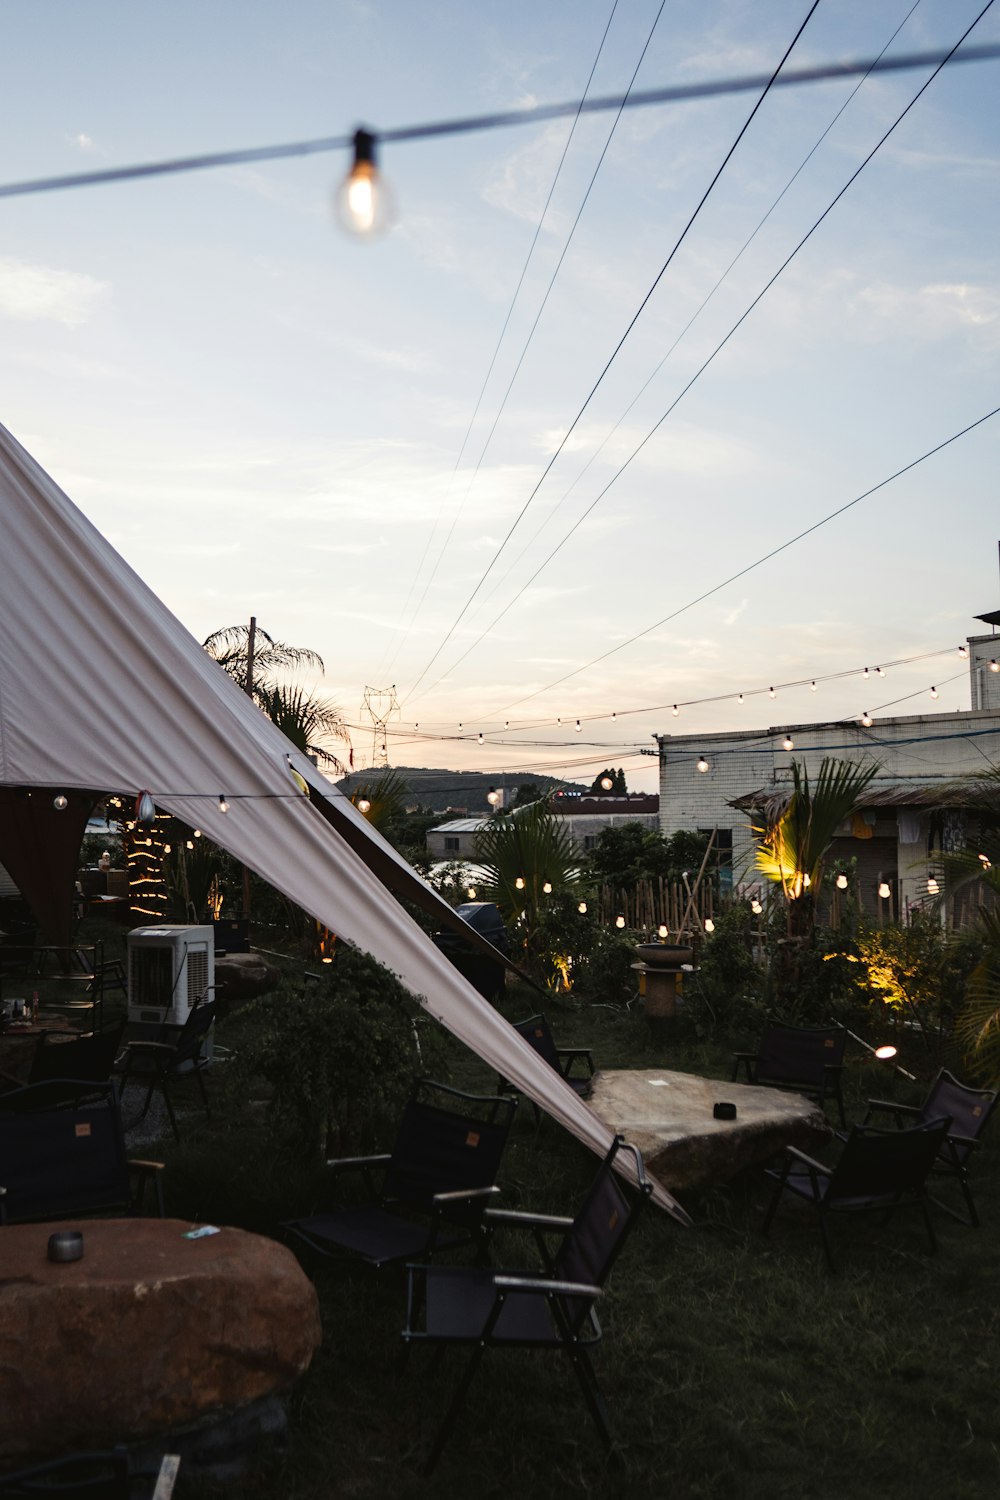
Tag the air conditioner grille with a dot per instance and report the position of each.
(197, 975)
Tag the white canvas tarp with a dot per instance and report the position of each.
(168, 720)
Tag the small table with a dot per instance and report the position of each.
(669, 1117)
(19, 1041)
(148, 1334)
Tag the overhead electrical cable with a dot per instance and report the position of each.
(677, 399)
(701, 307)
(531, 114)
(614, 355)
(717, 588)
(542, 305)
(503, 331)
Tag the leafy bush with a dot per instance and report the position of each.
(338, 1058)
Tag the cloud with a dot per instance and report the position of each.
(82, 142)
(34, 293)
(734, 614)
(932, 311)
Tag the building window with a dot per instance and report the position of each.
(450, 844)
(589, 842)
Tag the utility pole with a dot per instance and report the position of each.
(248, 689)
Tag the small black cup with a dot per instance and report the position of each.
(724, 1111)
(66, 1245)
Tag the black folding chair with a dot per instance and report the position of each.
(970, 1110)
(484, 1308)
(59, 1163)
(158, 1064)
(436, 1181)
(74, 1067)
(538, 1034)
(806, 1059)
(877, 1170)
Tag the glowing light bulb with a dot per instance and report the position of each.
(756, 907)
(578, 726)
(547, 888)
(60, 802)
(480, 736)
(963, 652)
(812, 687)
(883, 890)
(619, 921)
(771, 693)
(994, 665)
(880, 671)
(167, 849)
(885, 1052)
(934, 692)
(662, 932)
(865, 675)
(364, 201)
(606, 783)
(493, 796)
(708, 924)
(866, 719)
(472, 893)
(582, 908)
(932, 886)
(788, 743)
(189, 844)
(702, 764)
(364, 805)
(841, 882)
(197, 833)
(675, 710)
(223, 804)
(739, 697)
(519, 883)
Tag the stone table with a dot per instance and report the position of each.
(669, 1117)
(149, 1334)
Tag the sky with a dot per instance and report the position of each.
(269, 417)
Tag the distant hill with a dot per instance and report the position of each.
(440, 790)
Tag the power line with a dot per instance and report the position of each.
(614, 355)
(503, 331)
(674, 94)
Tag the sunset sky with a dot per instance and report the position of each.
(268, 417)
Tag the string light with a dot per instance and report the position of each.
(675, 710)
(197, 833)
(619, 921)
(606, 783)
(364, 805)
(364, 203)
(547, 888)
(994, 665)
(932, 886)
(519, 883)
(702, 764)
(662, 932)
(866, 719)
(934, 692)
(578, 724)
(493, 797)
(472, 893)
(739, 698)
(771, 693)
(883, 890)
(865, 674)
(60, 802)
(708, 924)
(963, 652)
(223, 804)
(841, 881)
(480, 736)
(756, 907)
(582, 908)
(812, 686)
(880, 671)
(189, 844)
(788, 743)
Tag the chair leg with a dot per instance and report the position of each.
(165, 1091)
(454, 1411)
(927, 1221)
(596, 1404)
(779, 1188)
(204, 1094)
(831, 1263)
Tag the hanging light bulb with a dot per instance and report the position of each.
(519, 883)
(880, 671)
(480, 736)
(167, 848)
(756, 907)
(932, 886)
(788, 743)
(739, 697)
(702, 764)
(812, 687)
(994, 665)
(934, 692)
(364, 201)
(841, 881)
(663, 932)
(865, 675)
(883, 890)
(619, 921)
(60, 802)
(472, 893)
(223, 804)
(582, 908)
(606, 783)
(196, 833)
(578, 726)
(547, 888)
(675, 710)
(363, 805)
(866, 719)
(708, 924)
(771, 693)
(963, 652)
(493, 796)
(189, 844)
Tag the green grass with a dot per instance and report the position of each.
(732, 1365)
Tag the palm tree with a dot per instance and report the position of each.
(230, 647)
(522, 855)
(795, 833)
(304, 719)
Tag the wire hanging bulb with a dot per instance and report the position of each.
(932, 886)
(963, 653)
(934, 692)
(866, 719)
(883, 890)
(771, 693)
(480, 736)
(675, 710)
(364, 201)
(578, 726)
(788, 743)
(812, 687)
(702, 764)
(223, 804)
(994, 665)
(841, 882)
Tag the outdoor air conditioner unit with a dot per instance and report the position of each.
(169, 970)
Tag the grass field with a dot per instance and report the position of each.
(733, 1365)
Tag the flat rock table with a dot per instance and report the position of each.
(669, 1117)
(148, 1334)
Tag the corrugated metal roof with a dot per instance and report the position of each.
(460, 825)
(770, 800)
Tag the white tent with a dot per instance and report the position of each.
(171, 722)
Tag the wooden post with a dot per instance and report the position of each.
(248, 689)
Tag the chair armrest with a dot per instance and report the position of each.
(167, 1476)
(151, 1047)
(808, 1161)
(961, 1140)
(465, 1195)
(889, 1107)
(570, 1055)
(543, 1286)
(356, 1163)
(525, 1220)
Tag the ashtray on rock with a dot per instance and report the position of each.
(67, 1244)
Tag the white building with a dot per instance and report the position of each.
(902, 822)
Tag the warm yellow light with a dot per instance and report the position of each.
(702, 764)
(472, 893)
(883, 890)
(662, 932)
(364, 202)
(519, 883)
(884, 1053)
(841, 882)
(788, 743)
(619, 921)
(582, 908)
(756, 907)
(708, 924)
(60, 803)
(606, 783)
(189, 844)
(197, 833)
(932, 886)
(326, 959)
(364, 805)
(493, 796)
(866, 719)
(547, 888)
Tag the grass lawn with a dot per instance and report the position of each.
(733, 1365)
